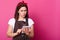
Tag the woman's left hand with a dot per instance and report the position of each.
(26, 30)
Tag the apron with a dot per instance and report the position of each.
(21, 36)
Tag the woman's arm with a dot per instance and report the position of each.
(10, 31)
(31, 31)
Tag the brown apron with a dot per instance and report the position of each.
(21, 36)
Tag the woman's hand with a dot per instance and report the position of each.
(26, 30)
(19, 31)
(29, 31)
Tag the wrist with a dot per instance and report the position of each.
(27, 33)
(16, 33)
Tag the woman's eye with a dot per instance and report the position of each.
(21, 10)
(25, 10)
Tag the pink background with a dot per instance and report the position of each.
(45, 13)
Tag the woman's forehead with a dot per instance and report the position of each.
(23, 8)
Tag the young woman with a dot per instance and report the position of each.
(15, 25)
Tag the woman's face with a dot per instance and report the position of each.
(22, 12)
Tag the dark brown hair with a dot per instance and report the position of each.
(19, 5)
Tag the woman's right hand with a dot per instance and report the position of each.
(19, 31)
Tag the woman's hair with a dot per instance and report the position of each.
(19, 5)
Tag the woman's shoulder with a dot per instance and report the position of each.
(30, 19)
(12, 19)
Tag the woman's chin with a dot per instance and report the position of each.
(23, 16)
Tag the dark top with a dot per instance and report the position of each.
(21, 36)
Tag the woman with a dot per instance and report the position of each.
(21, 26)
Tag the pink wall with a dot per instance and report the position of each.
(45, 13)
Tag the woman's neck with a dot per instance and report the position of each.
(20, 18)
